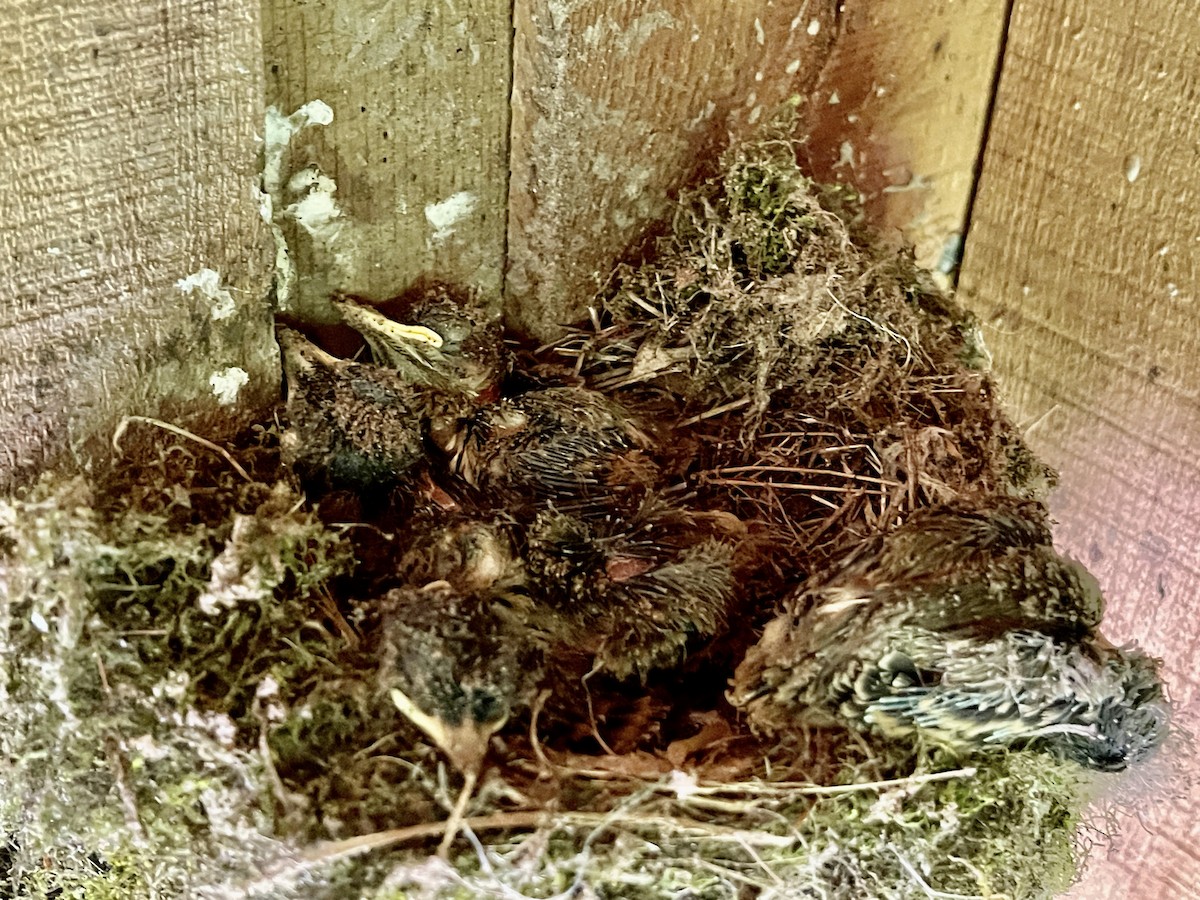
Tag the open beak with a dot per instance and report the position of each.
(392, 344)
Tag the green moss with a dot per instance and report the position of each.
(135, 724)
(1007, 830)
(127, 704)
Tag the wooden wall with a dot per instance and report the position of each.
(130, 141)
(417, 152)
(900, 113)
(616, 105)
(1083, 257)
(128, 159)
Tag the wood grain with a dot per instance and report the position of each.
(900, 112)
(1083, 257)
(128, 157)
(616, 104)
(417, 146)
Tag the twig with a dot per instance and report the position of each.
(123, 425)
(264, 751)
(644, 304)
(896, 336)
(1037, 423)
(930, 892)
(849, 476)
(115, 756)
(458, 813)
(591, 711)
(785, 788)
(741, 878)
(535, 711)
(717, 411)
(331, 851)
(786, 485)
(835, 789)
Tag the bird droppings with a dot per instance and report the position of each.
(316, 211)
(743, 589)
(278, 133)
(1133, 167)
(446, 214)
(207, 282)
(227, 384)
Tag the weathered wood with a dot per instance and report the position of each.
(417, 146)
(616, 104)
(1083, 257)
(128, 158)
(900, 113)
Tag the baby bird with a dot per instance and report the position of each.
(570, 447)
(632, 593)
(455, 666)
(1084, 700)
(447, 346)
(470, 554)
(349, 425)
(967, 628)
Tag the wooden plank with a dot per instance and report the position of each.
(616, 104)
(128, 158)
(1083, 258)
(900, 113)
(417, 147)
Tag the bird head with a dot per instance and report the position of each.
(1131, 718)
(470, 554)
(454, 668)
(444, 345)
(348, 425)
(302, 359)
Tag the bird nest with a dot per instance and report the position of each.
(191, 690)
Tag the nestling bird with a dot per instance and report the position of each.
(571, 447)
(631, 593)
(446, 345)
(626, 595)
(470, 554)
(596, 561)
(567, 445)
(349, 425)
(456, 665)
(967, 628)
